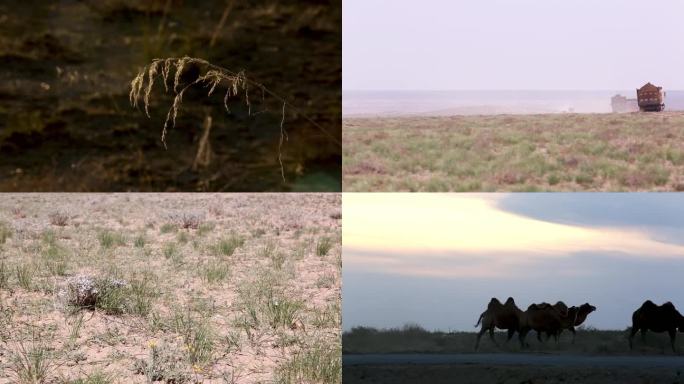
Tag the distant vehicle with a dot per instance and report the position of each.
(621, 104)
(651, 98)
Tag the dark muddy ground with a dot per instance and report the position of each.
(588, 341)
(66, 123)
(511, 374)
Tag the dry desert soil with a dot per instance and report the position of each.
(180, 288)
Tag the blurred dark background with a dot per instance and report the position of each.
(66, 123)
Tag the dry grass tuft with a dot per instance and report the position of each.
(59, 219)
(236, 83)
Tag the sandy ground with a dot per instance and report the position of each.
(229, 306)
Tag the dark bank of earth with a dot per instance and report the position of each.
(66, 123)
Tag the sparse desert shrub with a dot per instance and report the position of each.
(55, 259)
(94, 378)
(553, 179)
(49, 237)
(227, 246)
(278, 259)
(258, 232)
(32, 364)
(18, 213)
(163, 364)
(323, 246)
(205, 228)
(198, 337)
(5, 233)
(170, 251)
(4, 275)
(326, 281)
(317, 364)
(267, 250)
(75, 329)
(281, 311)
(214, 273)
(182, 237)
(59, 218)
(142, 294)
(336, 215)
(328, 317)
(168, 227)
(200, 343)
(111, 295)
(24, 273)
(88, 292)
(109, 239)
(139, 241)
(187, 220)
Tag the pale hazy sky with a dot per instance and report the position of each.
(437, 259)
(512, 44)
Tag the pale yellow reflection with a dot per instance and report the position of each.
(441, 225)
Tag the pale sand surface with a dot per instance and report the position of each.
(283, 260)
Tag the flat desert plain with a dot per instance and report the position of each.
(545, 152)
(596, 356)
(512, 374)
(170, 288)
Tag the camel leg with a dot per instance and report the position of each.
(491, 336)
(521, 336)
(539, 337)
(511, 332)
(673, 334)
(572, 329)
(632, 332)
(479, 335)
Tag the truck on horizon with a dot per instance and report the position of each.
(651, 98)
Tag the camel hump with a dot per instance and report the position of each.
(649, 303)
(535, 306)
(510, 301)
(561, 307)
(668, 305)
(494, 304)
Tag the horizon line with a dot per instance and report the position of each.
(493, 90)
(475, 329)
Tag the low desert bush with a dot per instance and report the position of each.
(162, 364)
(109, 239)
(187, 220)
(215, 272)
(323, 246)
(59, 218)
(316, 364)
(228, 245)
(5, 233)
(111, 295)
(32, 363)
